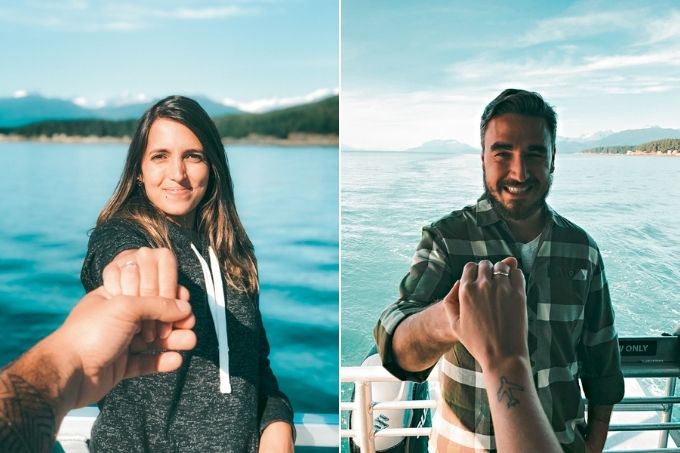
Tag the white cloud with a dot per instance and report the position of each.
(263, 105)
(209, 13)
(644, 71)
(80, 15)
(639, 90)
(127, 97)
(577, 27)
(88, 103)
(599, 63)
(20, 94)
(663, 29)
(123, 98)
(143, 13)
(51, 5)
(551, 65)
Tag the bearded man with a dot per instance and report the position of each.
(571, 333)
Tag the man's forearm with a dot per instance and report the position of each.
(82, 360)
(420, 340)
(31, 399)
(598, 427)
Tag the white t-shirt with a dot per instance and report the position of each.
(527, 252)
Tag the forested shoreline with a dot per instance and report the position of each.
(667, 146)
(313, 122)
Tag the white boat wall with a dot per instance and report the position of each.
(313, 430)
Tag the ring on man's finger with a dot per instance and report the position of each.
(505, 274)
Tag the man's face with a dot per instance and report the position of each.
(518, 161)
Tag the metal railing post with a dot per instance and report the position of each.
(667, 412)
(364, 400)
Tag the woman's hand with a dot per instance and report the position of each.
(489, 316)
(277, 437)
(488, 309)
(145, 272)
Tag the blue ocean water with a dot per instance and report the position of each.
(630, 205)
(287, 199)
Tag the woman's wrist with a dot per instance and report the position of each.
(512, 365)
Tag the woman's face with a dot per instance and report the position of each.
(175, 172)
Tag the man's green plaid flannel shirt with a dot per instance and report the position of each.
(571, 325)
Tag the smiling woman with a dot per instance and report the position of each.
(176, 194)
(174, 170)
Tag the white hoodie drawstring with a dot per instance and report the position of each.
(215, 290)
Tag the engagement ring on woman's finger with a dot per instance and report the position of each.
(129, 263)
(505, 274)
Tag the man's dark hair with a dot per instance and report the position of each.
(521, 102)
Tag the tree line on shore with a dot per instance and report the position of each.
(321, 117)
(664, 145)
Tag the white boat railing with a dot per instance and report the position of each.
(363, 407)
(313, 430)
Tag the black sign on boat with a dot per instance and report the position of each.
(641, 356)
(638, 347)
(645, 349)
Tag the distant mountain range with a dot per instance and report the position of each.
(314, 123)
(622, 138)
(20, 111)
(567, 145)
(664, 146)
(444, 146)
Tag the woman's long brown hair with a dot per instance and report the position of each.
(216, 216)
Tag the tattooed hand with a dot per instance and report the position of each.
(488, 307)
(98, 345)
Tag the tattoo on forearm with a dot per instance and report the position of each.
(508, 388)
(26, 419)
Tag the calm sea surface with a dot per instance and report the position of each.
(629, 205)
(287, 199)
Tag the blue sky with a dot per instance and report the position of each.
(254, 52)
(419, 71)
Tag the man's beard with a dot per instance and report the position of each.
(519, 212)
